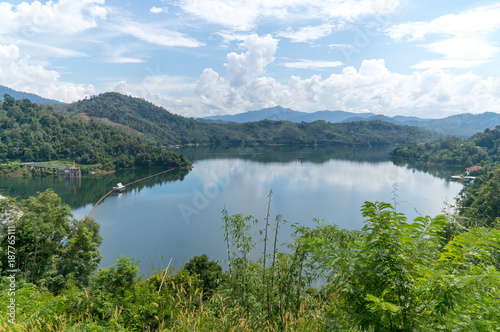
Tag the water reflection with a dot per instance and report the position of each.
(285, 154)
(80, 192)
(178, 214)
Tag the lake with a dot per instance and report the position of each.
(178, 214)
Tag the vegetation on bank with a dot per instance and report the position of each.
(437, 274)
(166, 128)
(479, 201)
(14, 170)
(482, 148)
(28, 133)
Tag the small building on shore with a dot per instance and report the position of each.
(473, 168)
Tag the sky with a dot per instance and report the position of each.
(197, 58)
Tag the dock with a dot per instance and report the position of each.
(70, 172)
(462, 178)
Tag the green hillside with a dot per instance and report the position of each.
(166, 128)
(29, 133)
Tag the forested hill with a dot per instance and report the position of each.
(483, 147)
(29, 133)
(166, 128)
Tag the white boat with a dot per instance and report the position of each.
(119, 187)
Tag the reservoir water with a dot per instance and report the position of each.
(178, 214)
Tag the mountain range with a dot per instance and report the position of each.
(36, 99)
(463, 125)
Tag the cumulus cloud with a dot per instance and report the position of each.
(466, 39)
(371, 88)
(243, 67)
(212, 89)
(19, 73)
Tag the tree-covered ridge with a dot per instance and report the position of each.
(167, 128)
(483, 147)
(29, 133)
(432, 274)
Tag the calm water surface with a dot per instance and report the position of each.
(178, 214)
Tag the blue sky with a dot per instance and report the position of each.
(206, 57)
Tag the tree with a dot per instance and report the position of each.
(119, 279)
(8, 101)
(209, 272)
(51, 246)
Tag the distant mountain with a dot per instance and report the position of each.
(36, 99)
(464, 125)
(279, 113)
(161, 127)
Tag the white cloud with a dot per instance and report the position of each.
(244, 15)
(466, 39)
(462, 47)
(158, 10)
(212, 89)
(340, 46)
(64, 16)
(478, 21)
(310, 64)
(48, 50)
(20, 73)
(308, 33)
(446, 64)
(243, 67)
(372, 88)
(156, 35)
(125, 60)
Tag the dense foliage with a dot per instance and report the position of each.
(393, 275)
(479, 202)
(28, 133)
(51, 247)
(167, 128)
(481, 148)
